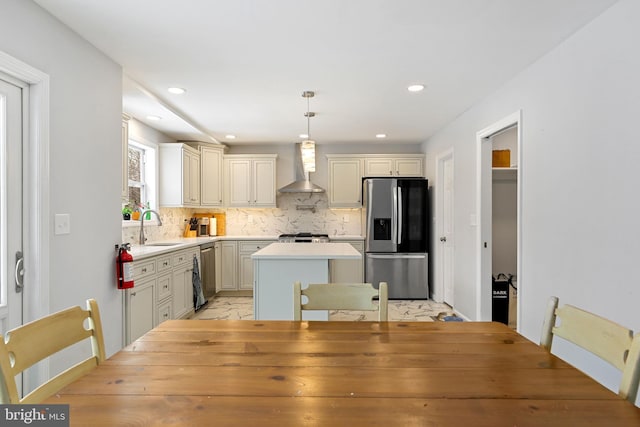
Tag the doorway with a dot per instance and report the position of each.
(492, 244)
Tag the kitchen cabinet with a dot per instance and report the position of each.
(211, 166)
(393, 165)
(179, 176)
(228, 266)
(245, 263)
(163, 290)
(250, 181)
(234, 266)
(217, 259)
(348, 270)
(125, 158)
(345, 181)
(182, 294)
(139, 309)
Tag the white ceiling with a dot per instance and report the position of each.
(245, 63)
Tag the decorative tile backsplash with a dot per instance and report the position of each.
(296, 212)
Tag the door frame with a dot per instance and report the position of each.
(439, 290)
(36, 198)
(484, 221)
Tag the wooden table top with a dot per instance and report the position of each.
(285, 373)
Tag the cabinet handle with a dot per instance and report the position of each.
(165, 263)
(144, 270)
(133, 294)
(390, 172)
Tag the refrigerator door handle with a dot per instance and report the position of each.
(393, 256)
(399, 215)
(394, 220)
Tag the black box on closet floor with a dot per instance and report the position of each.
(500, 299)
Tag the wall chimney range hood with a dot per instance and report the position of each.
(301, 183)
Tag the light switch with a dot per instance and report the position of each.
(62, 224)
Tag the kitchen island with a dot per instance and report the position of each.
(277, 266)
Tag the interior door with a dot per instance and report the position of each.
(446, 232)
(12, 267)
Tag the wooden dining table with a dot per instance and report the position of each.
(312, 373)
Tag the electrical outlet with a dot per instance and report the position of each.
(345, 218)
(62, 224)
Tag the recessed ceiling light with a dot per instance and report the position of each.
(177, 90)
(154, 118)
(415, 88)
(230, 136)
(381, 135)
(303, 136)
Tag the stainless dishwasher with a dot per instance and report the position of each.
(207, 270)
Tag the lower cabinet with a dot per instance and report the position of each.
(245, 264)
(163, 290)
(140, 307)
(348, 270)
(234, 266)
(183, 282)
(228, 265)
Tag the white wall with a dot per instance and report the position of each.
(85, 122)
(580, 105)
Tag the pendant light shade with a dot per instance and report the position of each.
(304, 159)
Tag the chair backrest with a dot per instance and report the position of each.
(32, 342)
(608, 340)
(340, 296)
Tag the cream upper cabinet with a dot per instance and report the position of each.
(394, 165)
(125, 157)
(250, 181)
(211, 176)
(345, 181)
(179, 175)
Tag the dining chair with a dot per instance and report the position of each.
(340, 296)
(32, 342)
(608, 340)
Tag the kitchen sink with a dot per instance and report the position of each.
(163, 244)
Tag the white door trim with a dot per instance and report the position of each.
(36, 187)
(439, 294)
(483, 279)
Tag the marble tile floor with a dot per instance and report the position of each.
(241, 308)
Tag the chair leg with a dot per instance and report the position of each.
(549, 322)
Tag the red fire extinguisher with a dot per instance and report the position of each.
(124, 267)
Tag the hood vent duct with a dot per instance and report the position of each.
(301, 183)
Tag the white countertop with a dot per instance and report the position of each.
(307, 251)
(144, 251)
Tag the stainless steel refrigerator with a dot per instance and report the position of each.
(396, 229)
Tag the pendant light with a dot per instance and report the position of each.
(308, 146)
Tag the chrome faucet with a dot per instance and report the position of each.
(142, 238)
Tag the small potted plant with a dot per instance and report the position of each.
(126, 212)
